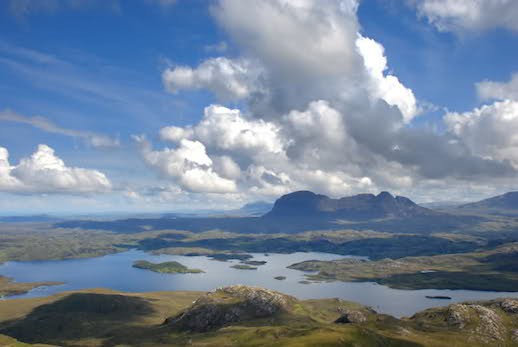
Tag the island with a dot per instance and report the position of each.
(243, 267)
(169, 267)
(441, 297)
(230, 256)
(254, 262)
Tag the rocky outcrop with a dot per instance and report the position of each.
(352, 316)
(230, 305)
(481, 322)
(509, 305)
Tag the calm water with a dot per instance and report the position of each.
(115, 272)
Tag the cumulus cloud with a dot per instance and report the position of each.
(323, 112)
(490, 131)
(321, 56)
(472, 15)
(228, 79)
(188, 164)
(227, 129)
(387, 87)
(44, 172)
(42, 123)
(498, 90)
(304, 46)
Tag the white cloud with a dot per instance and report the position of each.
(322, 111)
(227, 129)
(44, 172)
(472, 15)
(189, 165)
(490, 131)
(227, 167)
(228, 79)
(42, 123)
(175, 134)
(387, 87)
(488, 90)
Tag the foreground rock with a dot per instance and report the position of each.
(487, 322)
(230, 305)
(509, 305)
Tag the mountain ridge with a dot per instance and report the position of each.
(360, 206)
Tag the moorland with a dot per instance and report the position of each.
(471, 246)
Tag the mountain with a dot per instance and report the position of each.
(304, 211)
(505, 204)
(306, 204)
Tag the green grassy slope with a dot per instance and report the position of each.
(107, 318)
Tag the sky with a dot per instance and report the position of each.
(175, 105)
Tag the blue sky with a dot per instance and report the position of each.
(94, 71)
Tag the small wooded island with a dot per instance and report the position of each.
(169, 267)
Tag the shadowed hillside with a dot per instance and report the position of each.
(505, 204)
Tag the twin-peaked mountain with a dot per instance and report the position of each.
(306, 204)
(302, 211)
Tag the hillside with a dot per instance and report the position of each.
(245, 316)
(502, 204)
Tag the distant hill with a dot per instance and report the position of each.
(508, 201)
(440, 204)
(306, 204)
(27, 219)
(257, 208)
(504, 204)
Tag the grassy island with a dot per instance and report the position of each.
(169, 267)
(254, 262)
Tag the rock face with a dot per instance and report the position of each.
(352, 316)
(361, 206)
(230, 305)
